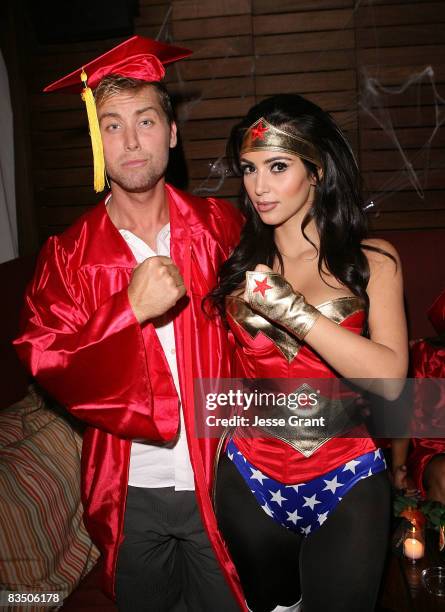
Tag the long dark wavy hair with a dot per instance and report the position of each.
(337, 210)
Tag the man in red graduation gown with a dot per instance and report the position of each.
(114, 330)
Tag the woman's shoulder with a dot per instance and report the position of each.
(384, 262)
(380, 252)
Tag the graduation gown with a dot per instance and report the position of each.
(82, 342)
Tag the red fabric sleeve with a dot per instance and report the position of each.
(92, 361)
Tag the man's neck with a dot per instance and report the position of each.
(143, 214)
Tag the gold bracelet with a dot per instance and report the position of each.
(273, 297)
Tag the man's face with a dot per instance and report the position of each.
(136, 138)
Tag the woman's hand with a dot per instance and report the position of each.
(258, 268)
(402, 481)
(273, 297)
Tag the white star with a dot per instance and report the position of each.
(267, 510)
(257, 475)
(240, 453)
(370, 472)
(332, 485)
(230, 455)
(306, 530)
(295, 487)
(277, 497)
(351, 465)
(293, 516)
(311, 501)
(376, 454)
(322, 517)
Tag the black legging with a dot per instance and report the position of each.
(340, 564)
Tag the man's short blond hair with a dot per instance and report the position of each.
(114, 84)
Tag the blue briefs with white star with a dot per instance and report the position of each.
(304, 507)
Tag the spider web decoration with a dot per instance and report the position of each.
(414, 162)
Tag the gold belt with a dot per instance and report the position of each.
(305, 428)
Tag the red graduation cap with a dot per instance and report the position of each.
(138, 58)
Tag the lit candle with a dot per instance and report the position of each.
(413, 549)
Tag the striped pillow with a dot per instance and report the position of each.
(42, 539)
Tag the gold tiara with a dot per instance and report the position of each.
(263, 136)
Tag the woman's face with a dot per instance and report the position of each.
(278, 185)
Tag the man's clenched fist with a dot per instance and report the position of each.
(156, 286)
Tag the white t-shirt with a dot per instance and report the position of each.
(160, 465)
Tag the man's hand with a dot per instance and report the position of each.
(156, 286)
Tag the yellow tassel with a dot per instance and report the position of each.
(96, 139)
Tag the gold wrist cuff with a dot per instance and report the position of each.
(273, 297)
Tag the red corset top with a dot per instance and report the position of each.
(264, 350)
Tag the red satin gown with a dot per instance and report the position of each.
(82, 342)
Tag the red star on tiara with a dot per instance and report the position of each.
(259, 131)
(262, 286)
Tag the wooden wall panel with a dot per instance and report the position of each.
(307, 41)
(384, 16)
(202, 9)
(338, 53)
(287, 22)
(201, 29)
(406, 35)
(401, 59)
(220, 75)
(290, 63)
(342, 80)
(271, 7)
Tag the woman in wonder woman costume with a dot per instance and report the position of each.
(306, 294)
